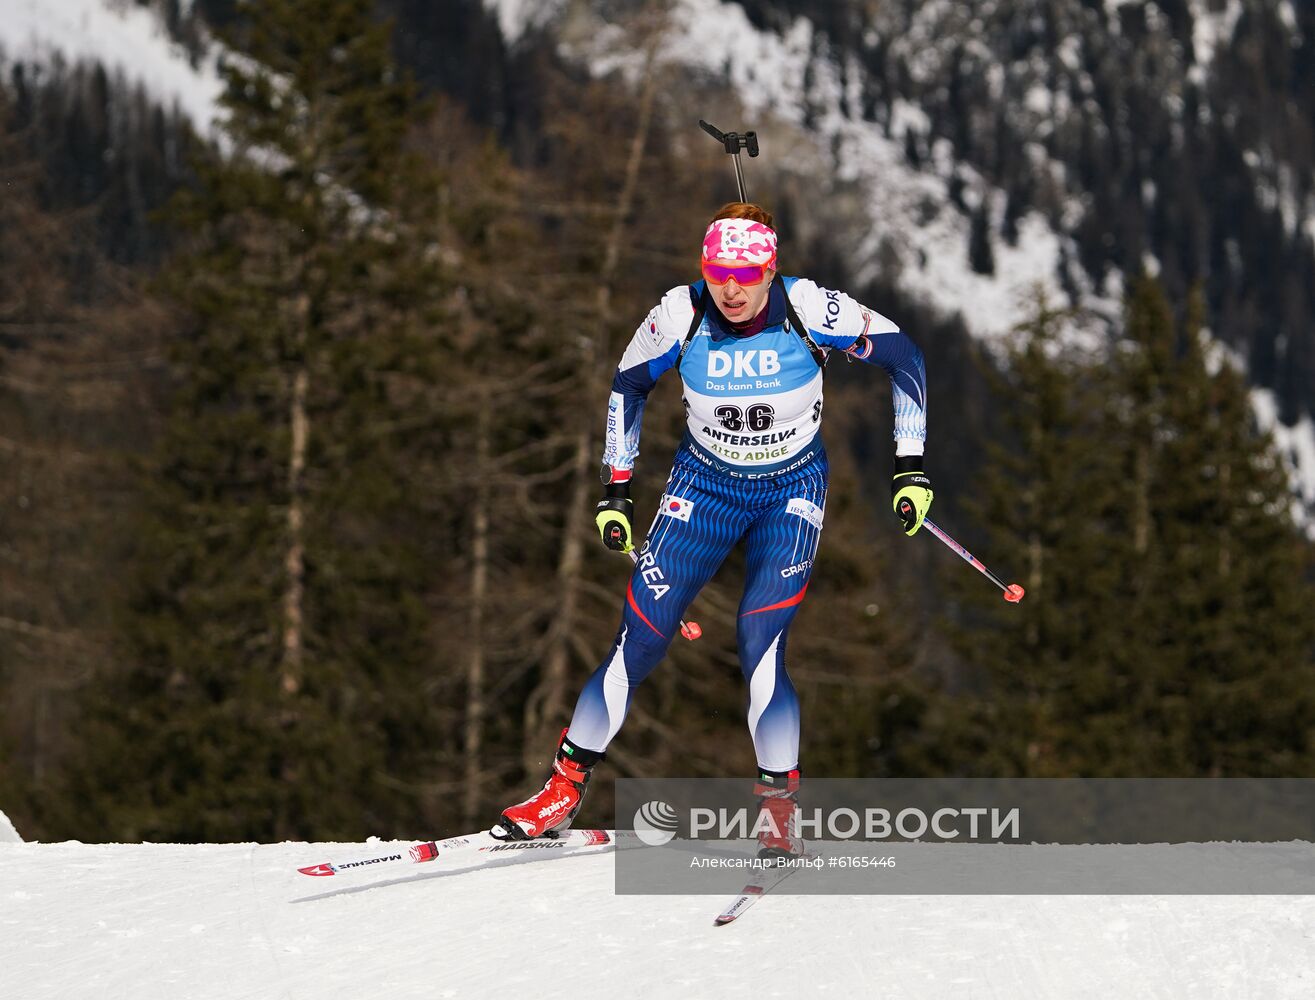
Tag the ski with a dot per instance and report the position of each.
(470, 850)
(753, 890)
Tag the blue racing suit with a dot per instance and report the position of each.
(750, 468)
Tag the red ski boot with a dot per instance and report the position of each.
(778, 814)
(549, 812)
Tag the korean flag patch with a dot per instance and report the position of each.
(676, 507)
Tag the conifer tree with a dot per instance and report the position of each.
(981, 258)
(1162, 632)
(277, 645)
(1221, 679)
(77, 335)
(1045, 498)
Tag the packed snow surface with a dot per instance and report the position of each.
(8, 835)
(237, 922)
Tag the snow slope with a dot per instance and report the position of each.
(8, 835)
(173, 922)
(796, 99)
(768, 72)
(126, 38)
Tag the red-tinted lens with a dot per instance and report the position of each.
(744, 274)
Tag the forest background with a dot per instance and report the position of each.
(300, 429)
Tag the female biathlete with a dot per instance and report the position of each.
(750, 348)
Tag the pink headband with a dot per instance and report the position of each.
(740, 240)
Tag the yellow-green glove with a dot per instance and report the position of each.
(613, 516)
(910, 492)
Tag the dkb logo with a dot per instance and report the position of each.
(742, 364)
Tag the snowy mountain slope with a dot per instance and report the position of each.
(172, 922)
(807, 95)
(791, 96)
(126, 38)
(811, 97)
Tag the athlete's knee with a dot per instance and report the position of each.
(639, 646)
(761, 642)
(645, 651)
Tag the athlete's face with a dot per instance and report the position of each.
(741, 303)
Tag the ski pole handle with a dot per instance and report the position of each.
(690, 630)
(1013, 593)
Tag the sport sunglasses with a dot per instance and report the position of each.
(744, 274)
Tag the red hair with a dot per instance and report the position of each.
(744, 210)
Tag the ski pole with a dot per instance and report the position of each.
(690, 630)
(1013, 593)
(734, 142)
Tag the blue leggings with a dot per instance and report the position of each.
(702, 516)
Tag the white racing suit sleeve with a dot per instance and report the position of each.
(836, 321)
(653, 349)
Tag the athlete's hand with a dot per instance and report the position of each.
(910, 492)
(613, 518)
